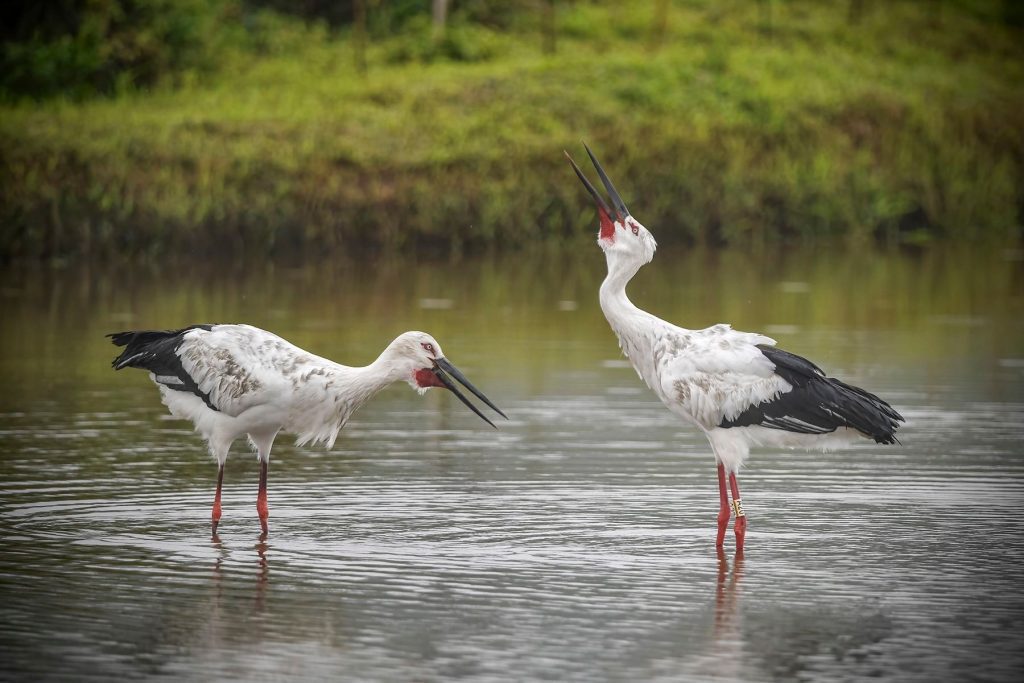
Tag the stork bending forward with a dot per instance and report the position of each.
(735, 386)
(235, 380)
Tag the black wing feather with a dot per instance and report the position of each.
(156, 351)
(818, 404)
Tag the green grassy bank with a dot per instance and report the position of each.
(729, 123)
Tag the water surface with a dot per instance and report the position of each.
(576, 543)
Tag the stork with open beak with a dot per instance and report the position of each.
(736, 387)
(235, 380)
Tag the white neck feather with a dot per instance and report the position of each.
(363, 383)
(326, 405)
(618, 309)
(636, 329)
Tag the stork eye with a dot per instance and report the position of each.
(429, 347)
(636, 229)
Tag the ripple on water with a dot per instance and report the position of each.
(544, 551)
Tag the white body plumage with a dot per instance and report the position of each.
(262, 384)
(239, 380)
(735, 386)
(706, 376)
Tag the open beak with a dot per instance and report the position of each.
(620, 206)
(442, 368)
(606, 214)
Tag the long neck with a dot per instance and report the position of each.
(329, 393)
(343, 388)
(636, 329)
(617, 307)
(371, 379)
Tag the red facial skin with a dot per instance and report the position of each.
(425, 377)
(607, 226)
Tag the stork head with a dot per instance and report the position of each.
(422, 364)
(621, 236)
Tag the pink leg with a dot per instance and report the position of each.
(261, 497)
(740, 525)
(216, 497)
(723, 508)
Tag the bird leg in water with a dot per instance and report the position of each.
(216, 497)
(261, 498)
(740, 525)
(723, 508)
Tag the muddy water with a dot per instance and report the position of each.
(576, 543)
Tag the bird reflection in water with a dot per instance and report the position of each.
(263, 573)
(215, 542)
(723, 658)
(726, 637)
(727, 596)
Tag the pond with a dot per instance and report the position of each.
(574, 543)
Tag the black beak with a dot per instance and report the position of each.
(620, 207)
(598, 199)
(442, 366)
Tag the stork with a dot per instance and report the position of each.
(736, 387)
(235, 380)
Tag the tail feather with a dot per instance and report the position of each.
(818, 404)
(148, 349)
(157, 351)
(867, 413)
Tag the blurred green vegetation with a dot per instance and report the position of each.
(230, 127)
